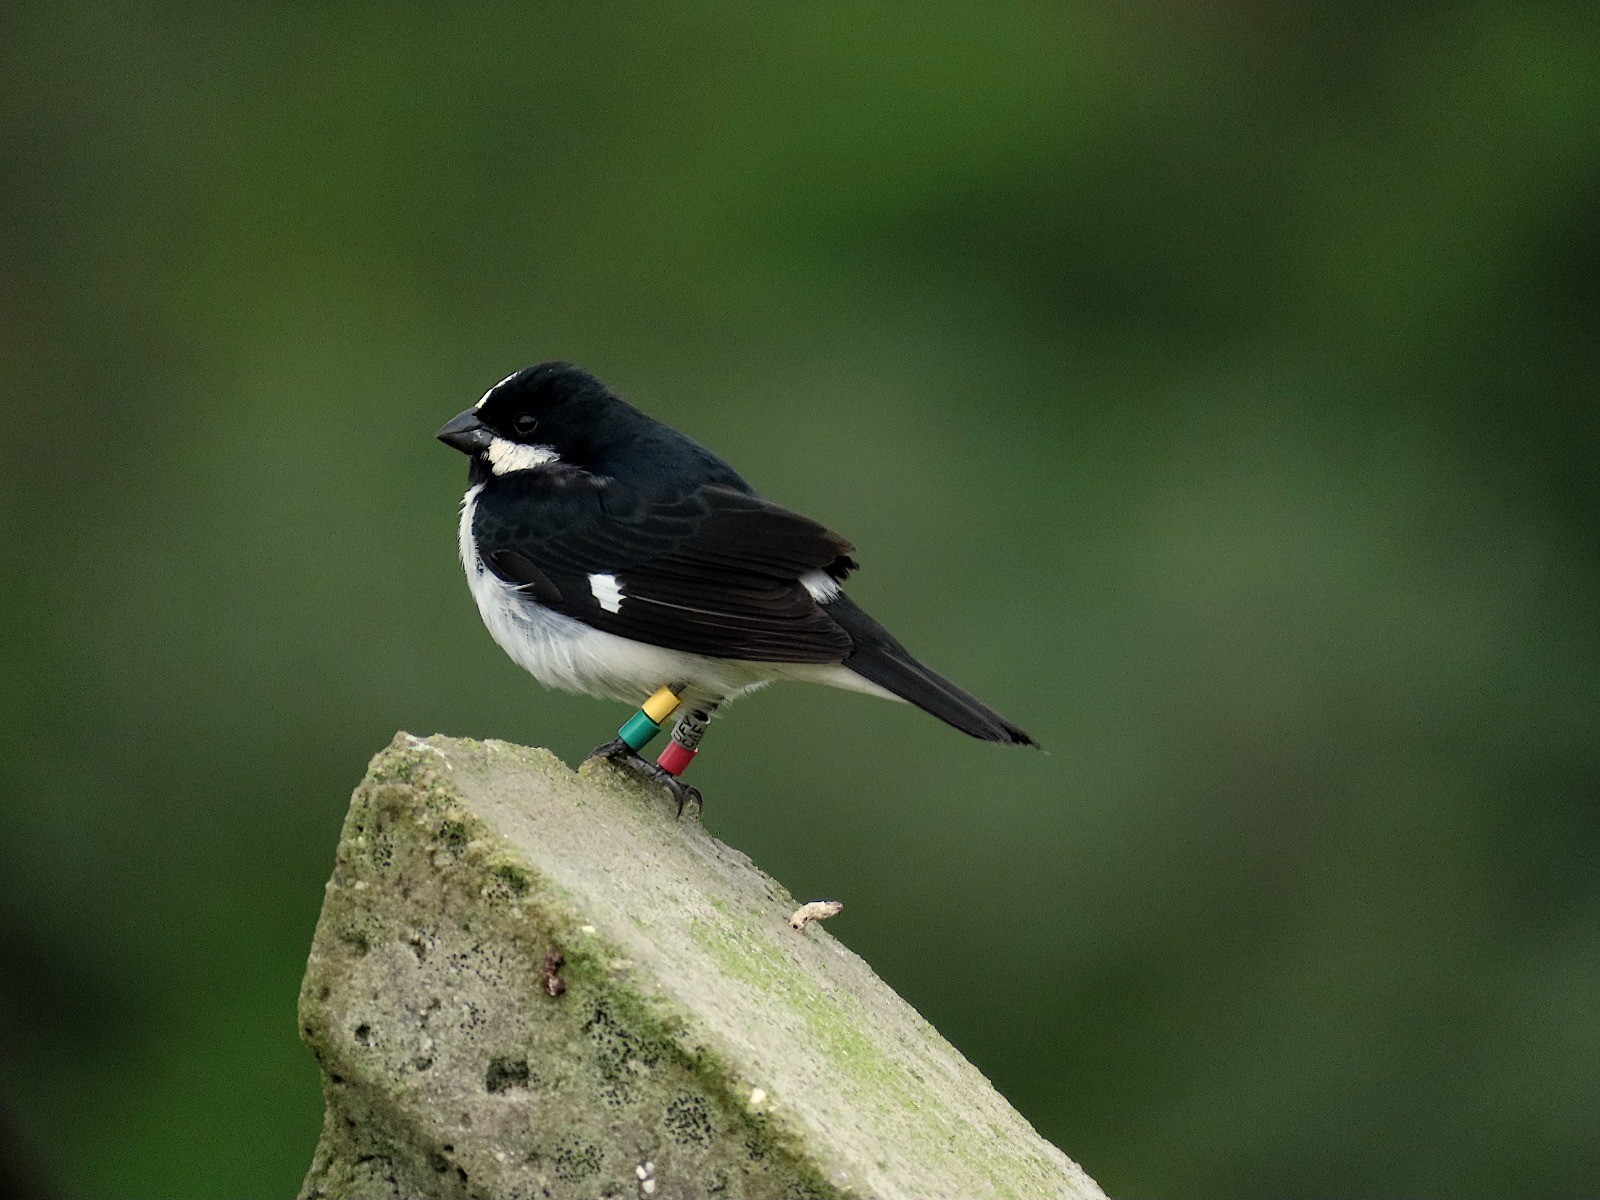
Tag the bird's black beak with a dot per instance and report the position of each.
(466, 433)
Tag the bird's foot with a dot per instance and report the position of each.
(624, 757)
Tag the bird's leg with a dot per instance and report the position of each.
(625, 758)
(685, 743)
(635, 735)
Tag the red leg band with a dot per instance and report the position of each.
(675, 759)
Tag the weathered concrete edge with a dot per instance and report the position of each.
(550, 913)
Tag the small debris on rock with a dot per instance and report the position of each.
(418, 744)
(548, 979)
(817, 910)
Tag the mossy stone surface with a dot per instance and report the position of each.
(531, 983)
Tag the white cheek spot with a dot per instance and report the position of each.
(484, 398)
(505, 457)
(822, 586)
(607, 592)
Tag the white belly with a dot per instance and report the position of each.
(562, 652)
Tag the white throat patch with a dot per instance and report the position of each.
(505, 457)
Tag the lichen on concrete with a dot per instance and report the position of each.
(530, 983)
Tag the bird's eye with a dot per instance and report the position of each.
(524, 423)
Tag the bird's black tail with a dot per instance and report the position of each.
(885, 662)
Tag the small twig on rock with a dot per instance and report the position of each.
(817, 910)
(548, 979)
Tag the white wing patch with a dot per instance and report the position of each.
(822, 586)
(607, 592)
(505, 457)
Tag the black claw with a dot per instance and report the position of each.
(626, 758)
(685, 793)
(616, 750)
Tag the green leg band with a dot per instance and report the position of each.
(638, 731)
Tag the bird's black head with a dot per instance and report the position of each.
(553, 412)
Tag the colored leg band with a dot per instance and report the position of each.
(638, 731)
(646, 723)
(675, 759)
(661, 705)
(680, 752)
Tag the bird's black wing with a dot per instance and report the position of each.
(704, 569)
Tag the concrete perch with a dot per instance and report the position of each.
(531, 984)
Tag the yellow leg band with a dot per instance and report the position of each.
(661, 705)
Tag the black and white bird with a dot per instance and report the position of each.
(613, 556)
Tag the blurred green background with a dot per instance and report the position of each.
(1212, 387)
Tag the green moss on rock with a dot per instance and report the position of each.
(694, 1047)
